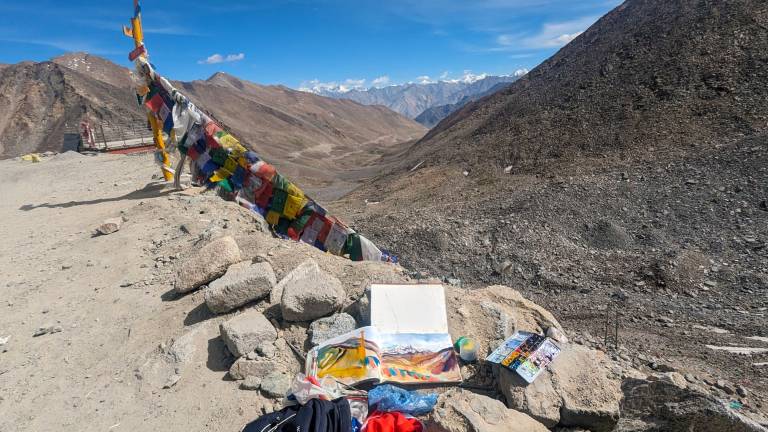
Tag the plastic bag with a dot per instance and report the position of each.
(390, 398)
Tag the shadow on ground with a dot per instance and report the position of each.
(151, 190)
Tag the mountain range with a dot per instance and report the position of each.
(413, 99)
(309, 137)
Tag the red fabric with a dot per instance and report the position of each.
(155, 103)
(211, 129)
(391, 422)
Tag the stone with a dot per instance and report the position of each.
(242, 283)
(741, 391)
(490, 315)
(110, 226)
(172, 380)
(576, 390)
(330, 327)
(663, 405)
(307, 293)
(460, 410)
(251, 383)
(246, 331)
(206, 264)
(266, 350)
(243, 368)
(276, 384)
(725, 386)
(47, 330)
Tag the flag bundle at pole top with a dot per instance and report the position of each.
(240, 174)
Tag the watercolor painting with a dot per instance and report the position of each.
(418, 358)
(350, 358)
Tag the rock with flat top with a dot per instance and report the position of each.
(243, 368)
(576, 390)
(242, 283)
(459, 410)
(330, 327)
(206, 264)
(246, 331)
(308, 293)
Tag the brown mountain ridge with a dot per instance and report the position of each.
(313, 139)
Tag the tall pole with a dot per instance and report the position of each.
(138, 40)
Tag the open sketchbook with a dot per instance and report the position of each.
(366, 354)
(407, 342)
(526, 353)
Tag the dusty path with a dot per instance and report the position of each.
(54, 273)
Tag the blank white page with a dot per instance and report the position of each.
(408, 308)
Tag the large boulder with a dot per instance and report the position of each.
(207, 264)
(492, 314)
(664, 402)
(246, 331)
(242, 283)
(307, 293)
(330, 327)
(576, 390)
(462, 411)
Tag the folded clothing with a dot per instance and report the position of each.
(314, 416)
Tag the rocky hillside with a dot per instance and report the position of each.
(39, 101)
(413, 99)
(626, 173)
(661, 74)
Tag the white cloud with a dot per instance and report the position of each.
(380, 81)
(218, 58)
(444, 75)
(551, 35)
(316, 86)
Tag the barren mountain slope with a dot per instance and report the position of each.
(662, 74)
(638, 179)
(39, 101)
(317, 141)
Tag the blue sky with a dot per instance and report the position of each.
(305, 43)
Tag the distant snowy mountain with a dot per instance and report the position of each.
(412, 99)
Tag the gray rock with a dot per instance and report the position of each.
(243, 368)
(462, 411)
(664, 405)
(172, 380)
(47, 330)
(575, 391)
(276, 384)
(207, 264)
(308, 293)
(110, 226)
(246, 331)
(266, 350)
(242, 283)
(251, 383)
(330, 327)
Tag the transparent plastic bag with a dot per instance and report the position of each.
(390, 398)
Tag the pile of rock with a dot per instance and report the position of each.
(274, 322)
